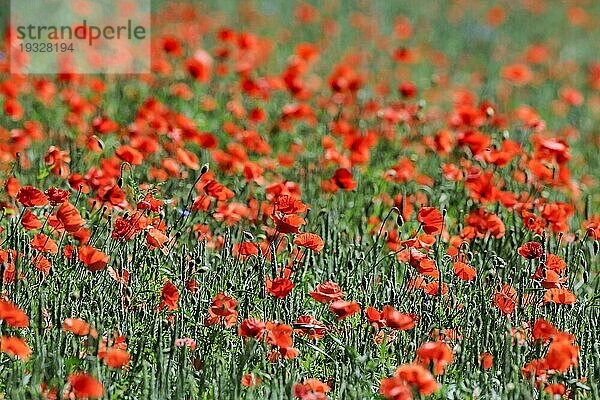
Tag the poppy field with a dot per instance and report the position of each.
(310, 200)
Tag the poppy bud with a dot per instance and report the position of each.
(350, 265)
(204, 169)
(588, 204)
(365, 282)
(457, 349)
(203, 269)
(399, 220)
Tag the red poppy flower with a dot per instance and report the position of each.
(123, 278)
(85, 386)
(129, 154)
(252, 327)
(419, 377)
(57, 196)
(535, 368)
(12, 187)
(343, 179)
(150, 203)
(44, 244)
(169, 296)
(279, 335)
(288, 223)
(201, 203)
(200, 66)
(251, 380)
(30, 221)
(187, 158)
(42, 264)
(289, 205)
(78, 182)
(517, 74)
(562, 353)
(113, 195)
(31, 197)
(506, 299)
(543, 330)
(559, 296)
(311, 389)
(426, 266)
(13, 315)
(395, 389)
(218, 191)
(116, 358)
(464, 271)
(58, 161)
(69, 216)
(78, 327)
(548, 278)
(399, 387)
(245, 249)
(375, 316)
(555, 389)
(279, 287)
(555, 263)
(94, 259)
(155, 239)
(531, 250)
(344, 309)
(486, 360)
(437, 352)
(127, 228)
(308, 326)
(431, 219)
(223, 308)
(13, 108)
(397, 320)
(434, 288)
(310, 241)
(327, 292)
(15, 347)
